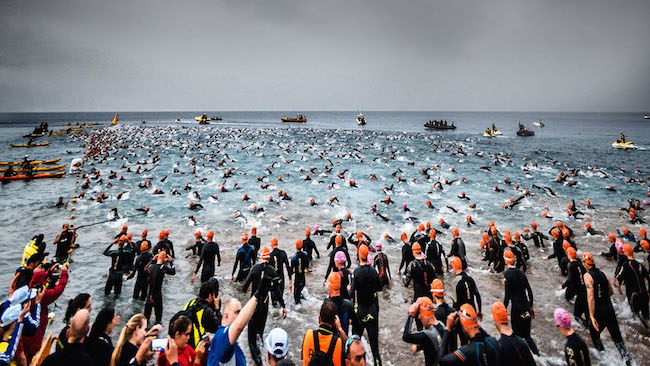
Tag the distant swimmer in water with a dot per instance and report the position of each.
(463, 196)
(246, 198)
(429, 205)
(611, 189)
(590, 230)
(195, 206)
(497, 189)
(443, 224)
(453, 209)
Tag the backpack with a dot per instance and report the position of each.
(320, 358)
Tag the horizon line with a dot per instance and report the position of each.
(323, 110)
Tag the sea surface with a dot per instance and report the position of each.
(392, 144)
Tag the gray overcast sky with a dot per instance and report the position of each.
(140, 55)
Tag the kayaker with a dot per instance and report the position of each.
(9, 172)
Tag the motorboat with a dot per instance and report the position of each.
(299, 118)
(76, 166)
(523, 131)
(624, 145)
(361, 120)
(538, 124)
(439, 125)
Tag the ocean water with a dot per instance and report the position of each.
(257, 145)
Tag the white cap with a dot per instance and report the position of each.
(277, 342)
(11, 315)
(21, 295)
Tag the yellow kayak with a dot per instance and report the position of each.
(38, 169)
(36, 162)
(32, 145)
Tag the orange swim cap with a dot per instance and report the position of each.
(144, 246)
(437, 288)
(197, 234)
(517, 236)
(363, 252)
(210, 234)
(588, 225)
(499, 313)
(416, 249)
(298, 244)
(125, 228)
(555, 233)
(558, 224)
(144, 233)
(426, 307)
(307, 232)
(123, 238)
(129, 236)
(253, 230)
(266, 253)
(565, 245)
(359, 235)
(626, 230)
(455, 232)
(274, 242)
(428, 225)
(468, 316)
(571, 253)
(612, 238)
(338, 228)
(442, 220)
(421, 227)
(565, 233)
(628, 250)
(404, 236)
(491, 223)
(244, 236)
(432, 234)
(587, 258)
(338, 240)
(643, 233)
(456, 263)
(645, 245)
(533, 225)
(493, 230)
(486, 237)
(334, 281)
(509, 256)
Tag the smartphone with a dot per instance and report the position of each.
(159, 344)
(205, 338)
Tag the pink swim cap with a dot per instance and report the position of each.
(404, 204)
(339, 257)
(316, 227)
(562, 318)
(619, 246)
(378, 246)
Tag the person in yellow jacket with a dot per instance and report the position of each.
(35, 246)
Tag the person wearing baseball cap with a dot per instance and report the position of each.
(575, 349)
(480, 347)
(634, 276)
(575, 286)
(299, 264)
(363, 291)
(429, 339)
(601, 311)
(515, 350)
(245, 258)
(277, 347)
(421, 272)
(517, 290)
(262, 272)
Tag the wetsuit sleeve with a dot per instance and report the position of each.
(286, 263)
(238, 258)
(331, 243)
(353, 293)
(171, 249)
(330, 265)
(529, 291)
(506, 299)
(316, 249)
(413, 338)
(107, 251)
(218, 255)
(401, 264)
(478, 295)
(249, 279)
(201, 259)
(611, 253)
(367, 238)
(407, 275)
(387, 267)
(347, 256)
(170, 270)
(555, 251)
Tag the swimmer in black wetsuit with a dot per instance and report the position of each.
(279, 261)
(635, 278)
(428, 339)
(575, 286)
(601, 311)
(245, 258)
(156, 271)
(515, 350)
(141, 287)
(435, 252)
(518, 290)
(208, 253)
(420, 272)
(575, 350)
(299, 264)
(407, 254)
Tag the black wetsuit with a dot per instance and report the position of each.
(442, 312)
(364, 288)
(538, 239)
(119, 265)
(515, 351)
(575, 287)
(260, 272)
(496, 255)
(197, 247)
(558, 252)
(256, 243)
(604, 311)
(209, 251)
(332, 265)
(63, 246)
(467, 293)
(482, 350)
(434, 253)
(524, 250)
(345, 311)
(279, 261)
(634, 276)
(308, 246)
(332, 242)
(345, 281)
(520, 261)
(155, 300)
(428, 339)
(165, 244)
(299, 264)
(380, 263)
(458, 250)
(576, 352)
(407, 256)
(518, 290)
(245, 258)
(141, 286)
(422, 274)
